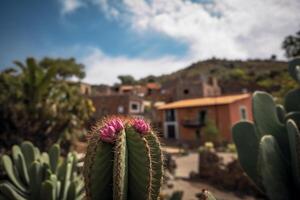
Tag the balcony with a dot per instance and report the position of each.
(192, 123)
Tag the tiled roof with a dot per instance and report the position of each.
(205, 101)
(154, 86)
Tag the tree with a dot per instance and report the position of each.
(66, 68)
(38, 104)
(127, 79)
(291, 45)
(211, 132)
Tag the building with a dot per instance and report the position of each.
(195, 87)
(102, 89)
(117, 104)
(85, 89)
(185, 120)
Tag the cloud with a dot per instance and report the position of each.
(69, 6)
(221, 28)
(102, 68)
(233, 29)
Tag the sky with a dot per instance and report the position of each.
(143, 37)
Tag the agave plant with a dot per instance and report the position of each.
(269, 148)
(35, 175)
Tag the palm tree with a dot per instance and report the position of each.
(38, 103)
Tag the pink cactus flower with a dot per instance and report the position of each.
(141, 126)
(110, 130)
(116, 123)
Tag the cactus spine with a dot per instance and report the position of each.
(123, 161)
(269, 148)
(35, 175)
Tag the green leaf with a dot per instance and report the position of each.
(10, 192)
(280, 113)
(20, 164)
(267, 122)
(36, 178)
(274, 169)
(294, 140)
(247, 144)
(9, 169)
(291, 101)
(28, 152)
(48, 191)
(54, 154)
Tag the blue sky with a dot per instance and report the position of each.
(142, 37)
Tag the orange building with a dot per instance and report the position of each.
(184, 120)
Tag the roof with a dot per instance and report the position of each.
(126, 87)
(206, 101)
(153, 86)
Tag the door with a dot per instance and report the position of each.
(171, 131)
(170, 125)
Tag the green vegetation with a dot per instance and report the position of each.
(32, 175)
(268, 149)
(38, 103)
(211, 132)
(291, 45)
(127, 79)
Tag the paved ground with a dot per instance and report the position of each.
(186, 164)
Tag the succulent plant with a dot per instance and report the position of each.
(35, 175)
(123, 161)
(205, 195)
(269, 148)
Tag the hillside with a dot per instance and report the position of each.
(235, 75)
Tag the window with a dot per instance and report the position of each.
(170, 115)
(134, 107)
(171, 131)
(186, 91)
(120, 109)
(202, 116)
(243, 113)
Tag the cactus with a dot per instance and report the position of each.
(35, 175)
(123, 161)
(269, 148)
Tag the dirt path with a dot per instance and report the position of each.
(186, 164)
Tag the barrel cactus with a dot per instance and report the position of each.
(35, 175)
(123, 161)
(269, 148)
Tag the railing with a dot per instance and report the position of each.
(192, 123)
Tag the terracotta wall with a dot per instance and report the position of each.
(225, 116)
(219, 114)
(235, 110)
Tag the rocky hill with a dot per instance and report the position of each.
(234, 75)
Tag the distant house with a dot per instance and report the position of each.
(138, 90)
(196, 87)
(102, 89)
(185, 120)
(85, 89)
(117, 104)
